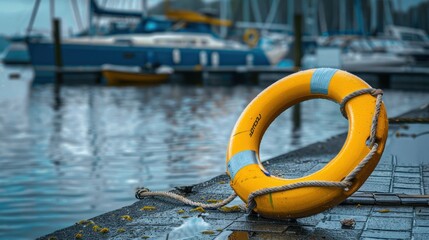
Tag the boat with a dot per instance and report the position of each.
(419, 54)
(166, 48)
(180, 38)
(408, 42)
(16, 52)
(412, 36)
(351, 52)
(135, 75)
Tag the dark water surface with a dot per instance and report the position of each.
(70, 160)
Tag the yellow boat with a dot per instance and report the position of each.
(121, 75)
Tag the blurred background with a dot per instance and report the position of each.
(98, 97)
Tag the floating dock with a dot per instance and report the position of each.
(392, 204)
(380, 77)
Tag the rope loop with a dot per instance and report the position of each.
(373, 91)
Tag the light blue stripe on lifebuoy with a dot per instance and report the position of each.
(240, 160)
(320, 80)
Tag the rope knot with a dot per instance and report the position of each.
(251, 203)
(140, 191)
(376, 92)
(250, 206)
(348, 182)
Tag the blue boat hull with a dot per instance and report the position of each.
(42, 54)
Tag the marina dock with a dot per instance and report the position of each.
(382, 77)
(392, 204)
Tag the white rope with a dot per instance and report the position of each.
(144, 192)
(345, 183)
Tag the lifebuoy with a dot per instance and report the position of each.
(247, 173)
(251, 37)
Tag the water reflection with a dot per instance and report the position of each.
(408, 145)
(70, 161)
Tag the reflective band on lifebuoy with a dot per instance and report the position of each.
(245, 169)
(251, 37)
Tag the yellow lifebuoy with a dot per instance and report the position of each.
(251, 37)
(247, 173)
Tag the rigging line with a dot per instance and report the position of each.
(373, 18)
(322, 17)
(255, 10)
(76, 14)
(52, 9)
(272, 13)
(33, 16)
(388, 13)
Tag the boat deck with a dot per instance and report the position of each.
(386, 209)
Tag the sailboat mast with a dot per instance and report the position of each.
(144, 9)
(388, 13)
(223, 15)
(343, 13)
(90, 16)
(359, 16)
(76, 14)
(52, 9)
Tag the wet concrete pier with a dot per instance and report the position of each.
(390, 205)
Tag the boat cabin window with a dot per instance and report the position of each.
(337, 42)
(191, 42)
(123, 41)
(177, 42)
(386, 43)
(150, 25)
(407, 36)
(169, 41)
(360, 46)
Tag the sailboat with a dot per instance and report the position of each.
(180, 38)
(353, 52)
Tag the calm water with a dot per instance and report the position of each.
(65, 162)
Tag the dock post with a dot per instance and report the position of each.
(296, 115)
(56, 36)
(57, 49)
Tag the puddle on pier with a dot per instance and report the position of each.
(233, 235)
(410, 145)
